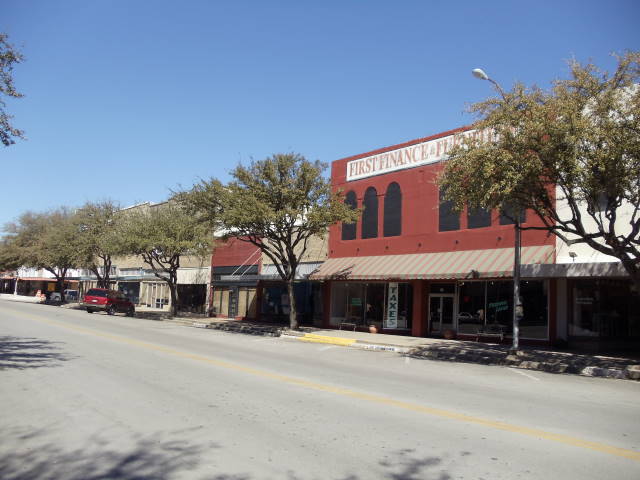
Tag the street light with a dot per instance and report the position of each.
(517, 302)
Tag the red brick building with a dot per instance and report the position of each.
(411, 265)
(235, 266)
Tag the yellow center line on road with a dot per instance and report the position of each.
(345, 392)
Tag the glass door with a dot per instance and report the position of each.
(440, 312)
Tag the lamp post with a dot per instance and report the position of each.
(517, 302)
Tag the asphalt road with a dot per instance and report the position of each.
(88, 397)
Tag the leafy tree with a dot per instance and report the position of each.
(583, 137)
(46, 240)
(276, 204)
(9, 56)
(98, 237)
(9, 257)
(162, 235)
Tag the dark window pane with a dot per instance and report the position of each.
(478, 218)
(508, 215)
(405, 305)
(442, 288)
(534, 323)
(375, 304)
(349, 229)
(605, 308)
(370, 214)
(97, 293)
(393, 211)
(448, 219)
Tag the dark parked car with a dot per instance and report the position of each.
(110, 301)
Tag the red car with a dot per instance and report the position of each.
(110, 301)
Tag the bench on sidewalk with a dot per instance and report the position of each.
(350, 325)
(493, 330)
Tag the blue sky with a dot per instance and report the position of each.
(130, 99)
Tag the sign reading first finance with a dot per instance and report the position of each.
(411, 156)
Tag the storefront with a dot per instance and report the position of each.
(462, 307)
(273, 294)
(606, 309)
(234, 299)
(275, 304)
(387, 305)
(7, 284)
(491, 303)
(234, 291)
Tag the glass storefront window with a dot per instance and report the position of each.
(499, 304)
(275, 300)
(338, 303)
(366, 304)
(277, 306)
(374, 312)
(534, 323)
(355, 303)
(130, 290)
(604, 308)
(405, 305)
(471, 307)
(486, 303)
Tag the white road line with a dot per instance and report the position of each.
(525, 374)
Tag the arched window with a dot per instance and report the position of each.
(370, 214)
(349, 229)
(393, 211)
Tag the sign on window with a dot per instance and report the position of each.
(392, 307)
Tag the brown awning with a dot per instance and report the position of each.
(492, 263)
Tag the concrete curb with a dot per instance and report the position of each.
(344, 342)
(531, 360)
(522, 360)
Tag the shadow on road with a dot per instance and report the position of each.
(23, 352)
(148, 459)
(404, 467)
(151, 458)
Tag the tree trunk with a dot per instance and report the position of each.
(99, 280)
(293, 314)
(106, 276)
(173, 289)
(60, 287)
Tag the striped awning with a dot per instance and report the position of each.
(438, 266)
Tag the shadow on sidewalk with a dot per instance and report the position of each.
(533, 358)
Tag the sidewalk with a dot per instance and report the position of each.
(19, 298)
(532, 358)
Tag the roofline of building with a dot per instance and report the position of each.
(406, 144)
